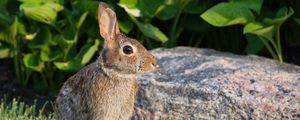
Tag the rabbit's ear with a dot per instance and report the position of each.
(108, 23)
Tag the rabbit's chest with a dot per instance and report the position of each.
(116, 99)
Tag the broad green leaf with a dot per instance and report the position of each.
(226, 14)
(131, 7)
(129, 3)
(254, 45)
(151, 7)
(150, 31)
(81, 20)
(297, 20)
(5, 51)
(42, 39)
(167, 13)
(32, 61)
(252, 4)
(40, 10)
(69, 35)
(82, 58)
(87, 5)
(281, 16)
(260, 30)
(10, 33)
(253, 26)
(126, 25)
(51, 53)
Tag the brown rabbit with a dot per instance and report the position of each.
(106, 89)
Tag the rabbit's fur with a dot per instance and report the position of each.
(106, 89)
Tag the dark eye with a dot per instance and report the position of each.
(127, 49)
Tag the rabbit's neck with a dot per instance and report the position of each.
(110, 72)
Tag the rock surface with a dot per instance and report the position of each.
(206, 84)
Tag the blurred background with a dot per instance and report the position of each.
(43, 42)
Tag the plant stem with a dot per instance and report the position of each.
(173, 32)
(277, 38)
(268, 47)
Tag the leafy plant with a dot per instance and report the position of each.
(258, 33)
(47, 48)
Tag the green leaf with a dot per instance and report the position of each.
(131, 7)
(5, 51)
(260, 30)
(129, 3)
(254, 45)
(226, 14)
(81, 20)
(32, 61)
(41, 40)
(252, 4)
(82, 58)
(10, 33)
(150, 31)
(167, 13)
(151, 7)
(125, 25)
(281, 16)
(40, 10)
(87, 5)
(51, 53)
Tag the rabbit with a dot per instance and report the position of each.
(106, 89)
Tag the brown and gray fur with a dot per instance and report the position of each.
(105, 89)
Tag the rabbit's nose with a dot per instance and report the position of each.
(155, 65)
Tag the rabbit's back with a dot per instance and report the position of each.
(91, 94)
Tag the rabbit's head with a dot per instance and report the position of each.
(120, 53)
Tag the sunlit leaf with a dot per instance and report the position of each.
(260, 30)
(281, 16)
(32, 61)
(81, 20)
(226, 14)
(131, 7)
(150, 31)
(40, 10)
(5, 51)
(10, 33)
(82, 58)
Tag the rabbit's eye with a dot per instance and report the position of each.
(127, 49)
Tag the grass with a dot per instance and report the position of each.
(16, 110)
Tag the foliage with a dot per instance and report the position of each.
(19, 111)
(50, 39)
(44, 40)
(258, 32)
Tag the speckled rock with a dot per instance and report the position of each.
(206, 84)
